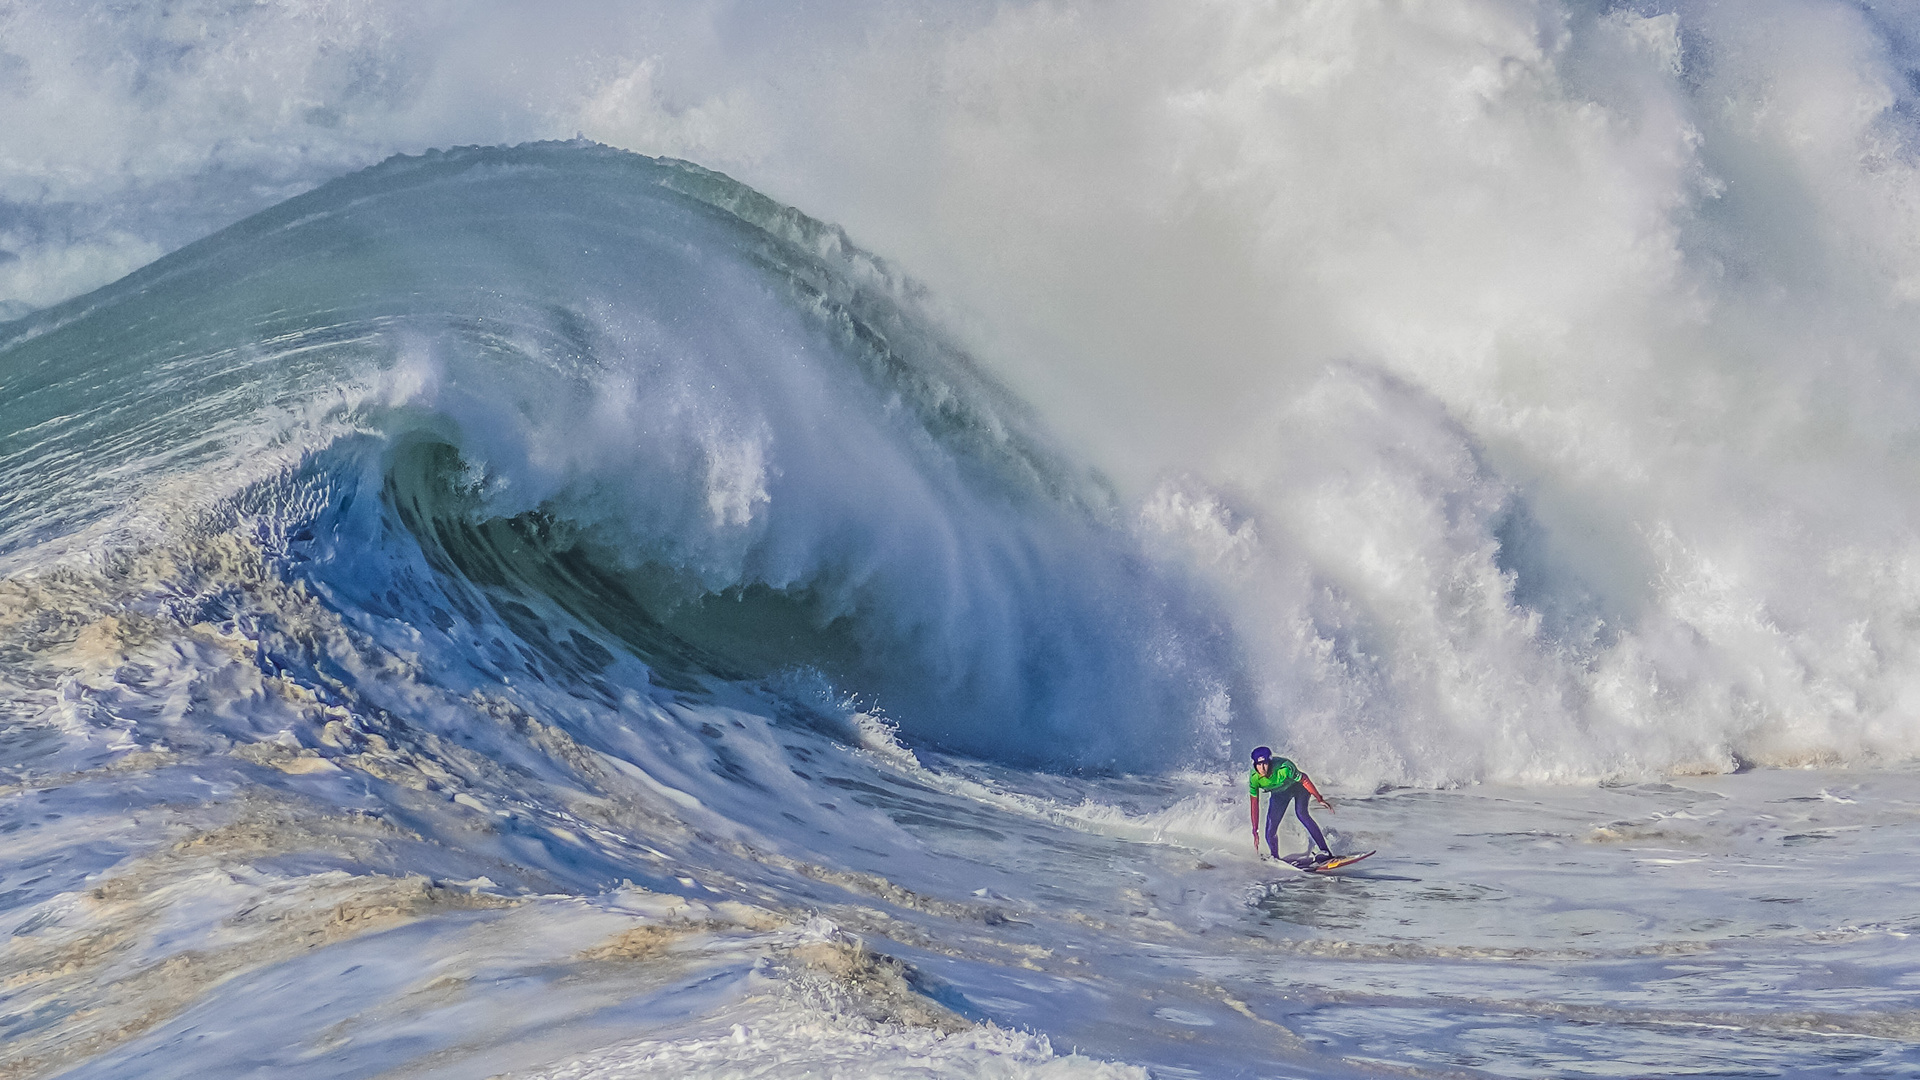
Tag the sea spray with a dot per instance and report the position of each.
(1646, 272)
(485, 612)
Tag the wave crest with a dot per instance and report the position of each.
(635, 398)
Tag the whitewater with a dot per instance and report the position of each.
(719, 540)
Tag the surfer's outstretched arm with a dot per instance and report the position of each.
(1253, 820)
(1315, 792)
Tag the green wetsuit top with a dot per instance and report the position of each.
(1285, 775)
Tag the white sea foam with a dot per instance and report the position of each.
(786, 1040)
(1494, 391)
(1608, 474)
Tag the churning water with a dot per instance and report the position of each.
(541, 609)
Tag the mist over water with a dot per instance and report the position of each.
(723, 539)
(1530, 385)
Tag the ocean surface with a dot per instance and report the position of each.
(729, 541)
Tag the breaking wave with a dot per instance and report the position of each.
(550, 403)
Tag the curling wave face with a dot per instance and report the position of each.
(1558, 430)
(557, 401)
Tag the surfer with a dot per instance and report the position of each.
(1287, 784)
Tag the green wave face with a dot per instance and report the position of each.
(592, 396)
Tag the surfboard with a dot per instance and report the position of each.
(1302, 862)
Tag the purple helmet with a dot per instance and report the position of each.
(1262, 753)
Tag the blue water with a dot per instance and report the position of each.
(565, 383)
(547, 610)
